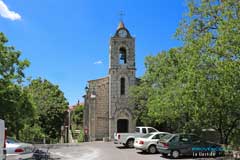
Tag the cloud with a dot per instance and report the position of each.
(6, 13)
(98, 62)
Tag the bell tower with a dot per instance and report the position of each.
(122, 49)
(121, 77)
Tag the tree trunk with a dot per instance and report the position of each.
(226, 140)
(17, 134)
(221, 136)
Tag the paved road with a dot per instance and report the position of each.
(102, 151)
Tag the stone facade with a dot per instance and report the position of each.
(107, 107)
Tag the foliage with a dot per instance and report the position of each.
(197, 86)
(77, 122)
(235, 140)
(81, 136)
(32, 133)
(14, 100)
(50, 104)
(13, 109)
(77, 117)
(11, 68)
(28, 111)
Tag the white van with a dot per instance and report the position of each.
(2, 140)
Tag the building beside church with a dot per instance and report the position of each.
(107, 108)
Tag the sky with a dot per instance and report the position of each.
(67, 41)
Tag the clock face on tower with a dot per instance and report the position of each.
(122, 33)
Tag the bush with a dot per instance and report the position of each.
(235, 140)
(31, 134)
(81, 136)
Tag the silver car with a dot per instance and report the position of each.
(148, 142)
(18, 150)
(2, 140)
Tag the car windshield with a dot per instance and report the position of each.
(147, 135)
(163, 135)
(11, 140)
(166, 137)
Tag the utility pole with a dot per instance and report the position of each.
(69, 124)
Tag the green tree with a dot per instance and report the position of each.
(14, 100)
(77, 117)
(11, 68)
(77, 122)
(32, 132)
(197, 86)
(211, 32)
(50, 104)
(17, 110)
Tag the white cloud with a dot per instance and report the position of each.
(98, 62)
(6, 13)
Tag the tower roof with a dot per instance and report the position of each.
(121, 25)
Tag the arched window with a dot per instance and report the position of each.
(122, 87)
(122, 56)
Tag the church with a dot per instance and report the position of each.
(107, 108)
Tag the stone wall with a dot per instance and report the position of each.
(99, 112)
(102, 112)
(115, 44)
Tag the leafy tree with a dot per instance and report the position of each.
(28, 111)
(211, 31)
(50, 104)
(32, 133)
(14, 100)
(77, 122)
(11, 68)
(197, 86)
(17, 110)
(77, 117)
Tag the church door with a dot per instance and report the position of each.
(122, 126)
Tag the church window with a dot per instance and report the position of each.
(122, 87)
(122, 56)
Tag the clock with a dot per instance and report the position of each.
(122, 33)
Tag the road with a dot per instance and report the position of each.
(102, 151)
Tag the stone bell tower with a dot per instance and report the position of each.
(121, 77)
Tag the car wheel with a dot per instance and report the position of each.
(130, 143)
(175, 154)
(152, 149)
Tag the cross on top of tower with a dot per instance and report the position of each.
(121, 24)
(121, 15)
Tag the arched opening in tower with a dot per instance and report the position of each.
(122, 56)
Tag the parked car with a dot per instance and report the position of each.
(127, 139)
(2, 140)
(148, 142)
(177, 145)
(18, 150)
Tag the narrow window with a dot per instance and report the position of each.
(122, 56)
(122, 92)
